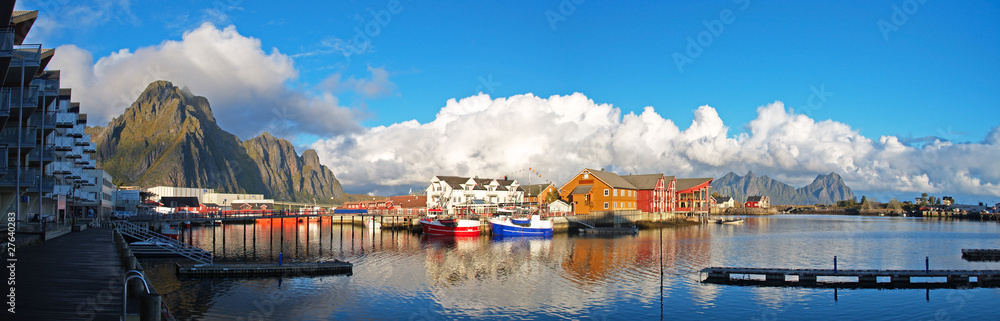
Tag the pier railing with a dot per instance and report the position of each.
(165, 243)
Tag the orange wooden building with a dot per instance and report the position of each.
(593, 191)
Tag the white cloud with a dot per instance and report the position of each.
(248, 88)
(379, 85)
(560, 135)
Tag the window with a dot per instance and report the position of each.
(605, 203)
(616, 192)
(606, 193)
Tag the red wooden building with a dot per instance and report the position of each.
(656, 192)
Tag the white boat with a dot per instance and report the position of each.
(734, 221)
(508, 226)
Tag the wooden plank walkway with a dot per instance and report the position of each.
(865, 278)
(225, 270)
(73, 277)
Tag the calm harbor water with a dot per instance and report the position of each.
(399, 275)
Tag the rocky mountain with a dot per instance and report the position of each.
(825, 189)
(170, 137)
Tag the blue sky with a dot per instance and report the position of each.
(935, 73)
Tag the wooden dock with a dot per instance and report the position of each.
(981, 254)
(225, 270)
(854, 278)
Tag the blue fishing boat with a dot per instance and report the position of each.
(508, 226)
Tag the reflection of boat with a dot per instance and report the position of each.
(170, 230)
(508, 226)
(372, 223)
(450, 226)
(731, 221)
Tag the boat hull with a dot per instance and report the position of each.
(515, 230)
(435, 227)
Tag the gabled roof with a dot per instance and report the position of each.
(582, 189)
(454, 181)
(611, 179)
(722, 199)
(754, 198)
(645, 181)
(534, 189)
(688, 183)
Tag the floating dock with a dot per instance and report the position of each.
(225, 270)
(981, 254)
(853, 278)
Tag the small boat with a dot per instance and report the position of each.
(372, 223)
(450, 226)
(170, 230)
(508, 226)
(731, 221)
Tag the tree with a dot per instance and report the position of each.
(895, 204)
(716, 194)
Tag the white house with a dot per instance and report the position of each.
(724, 202)
(480, 195)
(560, 206)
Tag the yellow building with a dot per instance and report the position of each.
(595, 191)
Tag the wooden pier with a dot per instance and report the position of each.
(854, 278)
(981, 254)
(225, 270)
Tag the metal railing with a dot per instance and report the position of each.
(165, 243)
(28, 177)
(9, 136)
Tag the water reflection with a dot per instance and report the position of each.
(399, 275)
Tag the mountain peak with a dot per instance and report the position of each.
(169, 136)
(826, 189)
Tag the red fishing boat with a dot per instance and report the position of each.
(450, 226)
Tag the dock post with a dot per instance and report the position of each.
(927, 264)
(834, 264)
(280, 254)
(150, 307)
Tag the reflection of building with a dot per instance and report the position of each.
(758, 201)
(481, 195)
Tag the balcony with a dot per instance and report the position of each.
(61, 168)
(83, 141)
(77, 152)
(59, 190)
(28, 177)
(44, 155)
(25, 61)
(90, 149)
(45, 186)
(75, 173)
(39, 120)
(75, 132)
(65, 120)
(63, 143)
(16, 97)
(91, 164)
(9, 136)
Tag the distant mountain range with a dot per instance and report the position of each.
(825, 189)
(170, 137)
